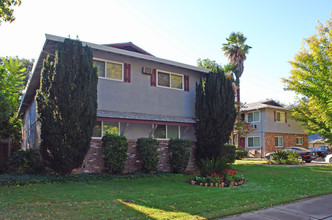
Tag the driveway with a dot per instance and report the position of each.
(317, 162)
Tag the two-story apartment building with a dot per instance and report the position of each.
(271, 128)
(139, 95)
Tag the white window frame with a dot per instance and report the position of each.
(281, 121)
(299, 138)
(170, 82)
(110, 61)
(254, 141)
(102, 129)
(154, 126)
(259, 116)
(282, 141)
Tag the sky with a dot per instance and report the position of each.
(179, 30)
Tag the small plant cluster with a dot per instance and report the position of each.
(115, 152)
(285, 157)
(231, 178)
(217, 172)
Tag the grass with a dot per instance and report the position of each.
(165, 197)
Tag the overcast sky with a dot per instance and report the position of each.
(178, 30)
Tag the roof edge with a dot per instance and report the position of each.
(131, 54)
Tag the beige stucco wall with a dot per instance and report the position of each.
(290, 127)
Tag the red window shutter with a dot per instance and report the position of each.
(285, 117)
(153, 77)
(275, 116)
(127, 72)
(186, 83)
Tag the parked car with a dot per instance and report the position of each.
(328, 158)
(322, 151)
(312, 149)
(306, 154)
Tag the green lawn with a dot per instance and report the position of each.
(164, 197)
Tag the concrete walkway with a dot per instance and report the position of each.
(315, 208)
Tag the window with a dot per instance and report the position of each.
(166, 131)
(254, 141)
(109, 69)
(253, 116)
(101, 127)
(279, 141)
(170, 80)
(280, 116)
(299, 141)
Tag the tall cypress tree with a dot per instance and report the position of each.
(67, 106)
(215, 114)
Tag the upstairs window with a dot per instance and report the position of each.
(166, 132)
(280, 116)
(253, 116)
(279, 141)
(299, 141)
(170, 80)
(109, 69)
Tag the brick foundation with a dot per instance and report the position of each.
(93, 162)
(289, 141)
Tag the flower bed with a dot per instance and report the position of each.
(231, 178)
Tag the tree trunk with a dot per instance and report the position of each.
(238, 106)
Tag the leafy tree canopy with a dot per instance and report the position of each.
(312, 82)
(208, 64)
(6, 10)
(26, 63)
(11, 86)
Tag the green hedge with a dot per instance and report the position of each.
(115, 151)
(179, 154)
(25, 161)
(28, 179)
(240, 153)
(147, 153)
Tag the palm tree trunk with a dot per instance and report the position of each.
(237, 94)
(238, 104)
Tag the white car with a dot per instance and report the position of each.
(328, 158)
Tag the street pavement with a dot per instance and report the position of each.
(314, 208)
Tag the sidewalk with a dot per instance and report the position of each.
(315, 208)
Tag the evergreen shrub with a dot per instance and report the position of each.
(180, 153)
(228, 151)
(215, 115)
(67, 106)
(115, 151)
(147, 152)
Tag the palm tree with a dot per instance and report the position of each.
(236, 51)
